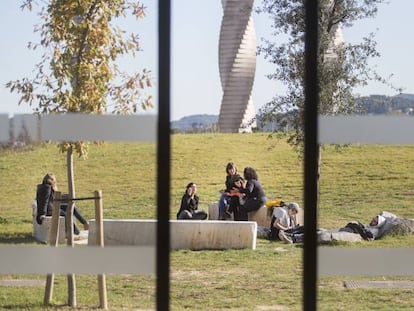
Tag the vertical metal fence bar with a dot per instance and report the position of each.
(311, 155)
(163, 156)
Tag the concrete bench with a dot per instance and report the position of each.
(41, 233)
(185, 234)
(262, 216)
(213, 213)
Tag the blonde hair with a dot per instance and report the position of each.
(50, 179)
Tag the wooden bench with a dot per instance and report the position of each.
(185, 234)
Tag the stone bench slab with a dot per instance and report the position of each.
(261, 216)
(185, 234)
(41, 233)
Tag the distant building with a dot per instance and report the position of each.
(237, 64)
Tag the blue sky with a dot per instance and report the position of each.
(196, 85)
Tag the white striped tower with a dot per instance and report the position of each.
(237, 65)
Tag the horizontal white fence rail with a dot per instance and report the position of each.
(4, 128)
(366, 129)
(365, 261)
(79, 127)
(81, 260)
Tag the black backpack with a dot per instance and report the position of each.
(357, 227)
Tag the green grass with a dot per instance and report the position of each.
(356, 183)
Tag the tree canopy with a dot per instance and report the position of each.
(341, 66)
(78, 70)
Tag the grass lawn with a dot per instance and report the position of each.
(356, 183)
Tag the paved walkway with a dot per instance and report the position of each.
(379, 284)
(82, 238)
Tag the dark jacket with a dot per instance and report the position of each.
(44, 199)
(254, 190)
(187, 203)
(229, 183)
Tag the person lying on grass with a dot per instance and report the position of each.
(385, 223)
(380, 225)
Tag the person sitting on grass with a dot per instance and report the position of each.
(283, 225)
(189, 205)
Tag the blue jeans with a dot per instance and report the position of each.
(224, 202)
(77, 215)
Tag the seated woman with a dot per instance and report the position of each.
(189, 205)
(225, 197)
(44, 197)
(254, 194)
(236, 197)
(44, 200)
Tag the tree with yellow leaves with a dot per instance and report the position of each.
(78, 71)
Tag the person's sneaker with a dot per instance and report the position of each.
(284, 237)
(298, 238)
(86, 226)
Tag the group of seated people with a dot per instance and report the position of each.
(241, 196)
(244, 194)
(283, 222)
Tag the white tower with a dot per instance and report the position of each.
(237, 64)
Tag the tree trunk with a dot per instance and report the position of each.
(71, 179)
(69, 225)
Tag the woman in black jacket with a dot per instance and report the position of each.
(237, 196)
(189, 204)
(44, 197)
(254, 194)
(225, 197)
